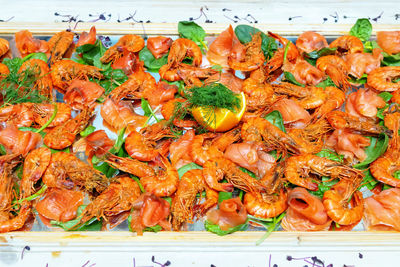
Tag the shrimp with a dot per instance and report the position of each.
(132, 166)
(386, 165)
(116, 199)
(19, 115)
(26, 44)
(299, 167)
(258, 94)
(336, 68)
(389, 41)
(216, 169)
(41, 75)
(43, 112)
(139, 147)
(347, 44)
(276, 61)
(63, 135)
(134, 87)
(18, 142)
(67, 171)
(191, 75)
(265, 206)
(201, 153)
(168, 110)
(132, 43)
(342, 120)
(4, 47)
(164, 183)
(310, 41)
(63, 72)
(4, 71)
(120, 114)
(334, 99)
(336, 203)
(254, 57)
(35, 165)
(82, 93)
(87, 38)
(59, 45)
(381, 79)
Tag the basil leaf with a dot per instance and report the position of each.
(369, 46)
(290, 78)
(386, 96)
(320, 53)
(330, 154)
(276, 119)
(85, 48)
(150, 62)
(245, 33)
(362, 29)
(190, 166)
(91, 225)
(377, 147)
(88, 130)
(41, 56)
(214, 228)
(193, 31)
(2, 150)
(112, 79)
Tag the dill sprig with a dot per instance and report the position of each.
(19, 87)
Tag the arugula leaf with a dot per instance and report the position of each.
(327, 82)
(324, 186)
(91, 225)
(276, 119)
(88, 130)
(150, 62)
(41, 56)
(190, 166)
(330, 154)
(191, 30)
(362, 29)
(290, 78)
(245, 33)
(377, 147)
(214, 228)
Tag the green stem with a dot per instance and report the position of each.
(270, 229)
(139, 183)
(32, 197)
(286, 51)
(153, 115)
(204, 45)
(50, 120)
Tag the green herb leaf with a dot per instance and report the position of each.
(31, 129)
(270, 225)
(88, 130)
(214, 228)
(91, 225)
(362, 29)
(190, 166)
(275, 117)
(391, 60)
(330, 154)
(325, 83)
(245, 33)
(224, 196)
(369, 181)
(2, 150)
(362, 80)
(150, 62)
(193, 31)
(386, 96)
(377, 147)
(320, 53)
(248, 172)
(290, 78)
(13, 64)
(41, 56)
(324, 186)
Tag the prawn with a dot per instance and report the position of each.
(342, 120)
(382, 79)
(18, 142)
(336, 203)
(253, 58)
(276, 61)
(258, 94)
(264, 205)
(59, 46)
(298, 169)
(336, 68)
(63, 72)
(131, 42)
(19, 115)
(334, 100)
(4, 47)
(201, 152)
(347, 44)
(216, 169)
(4, 71)
(43, 112)
(67, 171)
(63, 135)
(163, 183)
(118, 198)
(132, 166)
(41, 75)
(389, 41)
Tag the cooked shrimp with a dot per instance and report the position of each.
(258, 94)
(63, 135)
(139, 147)
(334, 99)
(216, 169)
(382, 78)
(164, 183)
(347, 44)
(135, 87)
(4, 47)
(336, 68)
(253, 58)
(342, 120)
(179, 151)
(276, 61)
(40, 72)
(63, 72)
(43, 112)
(67, 171)
(389, 41)
(132, 166)
(298, 169)
(310, 41)
(201, 152)
(132, 43)
(19, 115)
(4, 71)
(59, 44)
(265, 206)
(160, 94)
(35, 164)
